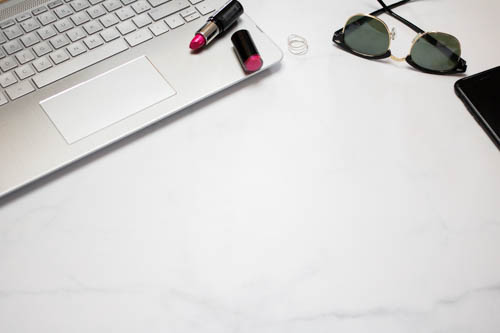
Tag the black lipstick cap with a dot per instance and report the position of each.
(247, 51)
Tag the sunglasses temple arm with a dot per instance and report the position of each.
(394, 5)
(388, 10)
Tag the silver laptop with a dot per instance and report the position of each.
(77, 75)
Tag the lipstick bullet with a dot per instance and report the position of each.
(216, 24)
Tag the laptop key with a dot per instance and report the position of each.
(63, 11)
(79, 5)
(158, 28)
(187, 12)
(46, 32)
(39, 10)
(96, 11)
(140, 6)
(7, 23)
(204, 8)
(92, 27)
(2, 53)
(30, 39)
(42, 64)
(192, 17)
(59, 41)
(109, 20)
(127, 2)
(20, 89)
(7, 64)
(95, 2)
(80, 18)
(30, 25)
(125, 13)
(76, 34)
(174, 21)
(13, 32)
(3, 99)
(55, 4)
(2, 38)
(76, 49)
(7, 79)
(12, 47)
(194, 2)
(25, 71)
(112, 5)
(141, 20)
(168, 9)
(47, 18)
(156, 3)
(126, 27)
(23, 17)
(24, 56)
(74, 65)
(59, 56)
(138, 37)
(110, 34)
(42, 49)
(63, 25)
(93, 41)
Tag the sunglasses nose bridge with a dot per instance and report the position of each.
(393, 57)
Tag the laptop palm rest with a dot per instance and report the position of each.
(106, 99)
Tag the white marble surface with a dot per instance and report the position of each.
(331, 194)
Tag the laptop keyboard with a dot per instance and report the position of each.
(48, 43)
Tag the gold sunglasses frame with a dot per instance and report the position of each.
(391, 38)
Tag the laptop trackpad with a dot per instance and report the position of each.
(106, 99)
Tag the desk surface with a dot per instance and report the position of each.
(342, 195)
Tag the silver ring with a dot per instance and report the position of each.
(297, 45)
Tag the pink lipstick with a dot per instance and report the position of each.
(247, 52)
(216, 24)
(198, 42)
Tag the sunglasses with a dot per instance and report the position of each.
(368, 37)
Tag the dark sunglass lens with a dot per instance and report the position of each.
(366, 35)
(436, 51)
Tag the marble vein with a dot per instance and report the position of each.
(401, 311)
